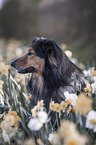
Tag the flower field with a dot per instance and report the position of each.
(75, 122)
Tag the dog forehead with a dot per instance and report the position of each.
(41, 45)
(38, 38)
(41, 41)
(37, 48)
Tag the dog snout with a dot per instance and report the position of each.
(13, 63)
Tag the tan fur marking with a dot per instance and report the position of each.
(31, 61)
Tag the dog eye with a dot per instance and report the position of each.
(30, 53)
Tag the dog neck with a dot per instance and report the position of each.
(39, 89)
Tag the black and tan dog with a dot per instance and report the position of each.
(52, 71)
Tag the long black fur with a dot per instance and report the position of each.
(57, 75)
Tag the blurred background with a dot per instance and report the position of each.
(68, 22)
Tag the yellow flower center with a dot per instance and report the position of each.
(68, 102)
(70, 110)
(57, 108)
(30, 97)
(52, 106)
(3, 70)
(72, 142)
(64, 105)
(88, 89)
(92, 122)
(83, 104)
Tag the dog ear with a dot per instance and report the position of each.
(48, 48)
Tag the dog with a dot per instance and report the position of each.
(52, 71)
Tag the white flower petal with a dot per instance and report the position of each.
(43, 116)
(34, 124)
(93, 87)
(6, 137)
(71, 97)
(91, 116)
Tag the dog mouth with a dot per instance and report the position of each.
(27, 70)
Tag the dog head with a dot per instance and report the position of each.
(40, 51)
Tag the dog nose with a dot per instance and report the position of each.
(12, 63)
